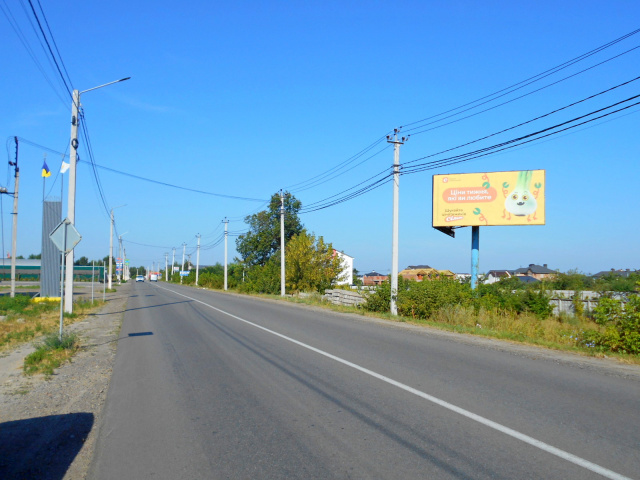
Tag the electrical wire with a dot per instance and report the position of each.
(508, 101)
(55, 61)
(64, 67)
(157, 182)
(523, 140)
(528, 81)
(313, 181)
(532, 137)
(25, 43)
(529, 121)
(386, 147)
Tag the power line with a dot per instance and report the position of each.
(23, 39)
(529, 80)
(157, 182)
(54, 42)
(316, 180)
(529, 121)
(509, 101)
(55, 61)
(513, 143)
(474, 154)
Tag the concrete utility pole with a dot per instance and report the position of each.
(121, 259)
(166, 266)
(282, 269)
(198, 261)
(110, 248)
(226, 235)
(173, 260)
(111, 244)
(396, 196)
(14, 234)
(184, 249)
(71, 202)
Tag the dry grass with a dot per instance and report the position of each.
(27, 321)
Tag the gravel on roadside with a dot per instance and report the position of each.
(48, 427)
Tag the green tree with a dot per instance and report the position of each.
(262, 240)
(34, 256)
(310, 264)
(82, 261)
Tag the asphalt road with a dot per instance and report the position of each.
(208, 386)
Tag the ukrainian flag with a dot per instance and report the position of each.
(45, 170)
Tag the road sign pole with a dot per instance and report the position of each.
(64, 250)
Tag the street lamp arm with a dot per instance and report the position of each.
(100, 86)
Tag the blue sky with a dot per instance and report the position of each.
(245, 98)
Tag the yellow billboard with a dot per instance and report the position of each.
(490, 198)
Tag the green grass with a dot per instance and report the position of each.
(50, 354)
(26, 320)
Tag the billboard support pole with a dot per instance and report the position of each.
(475, 255)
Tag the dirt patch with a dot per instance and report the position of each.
(48, 427)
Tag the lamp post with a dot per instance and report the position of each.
(71, 202)
(111, 243)
(121, 253)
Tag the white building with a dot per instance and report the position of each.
(346, 276)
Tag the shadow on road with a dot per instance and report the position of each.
(139, 334)
(42, 447)
(140, 308)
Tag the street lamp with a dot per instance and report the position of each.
(111, 243)
(71, 203)
(121, 253)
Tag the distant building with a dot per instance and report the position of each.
(526, 279)
(424, 272)
(463, 277)
(374, 278)
(620, 273)
(539, 272)
(494, 276)
(346, 275)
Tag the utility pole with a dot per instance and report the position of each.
(111, 249)
(184, 249)
(173, 260)
(396, 196)
(121, 259)
(282, 269)
(71, 202)
(226, 235)
(111, 244)
(166, 266)
(14, 234)
(198, 260)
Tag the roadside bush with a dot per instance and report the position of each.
(423, 299)
(263, 279)
(622, 325)
(379, 299)
(511, 295)
(419, 299)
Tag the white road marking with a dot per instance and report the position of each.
(449, 406)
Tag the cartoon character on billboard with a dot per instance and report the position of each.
(521, 201)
